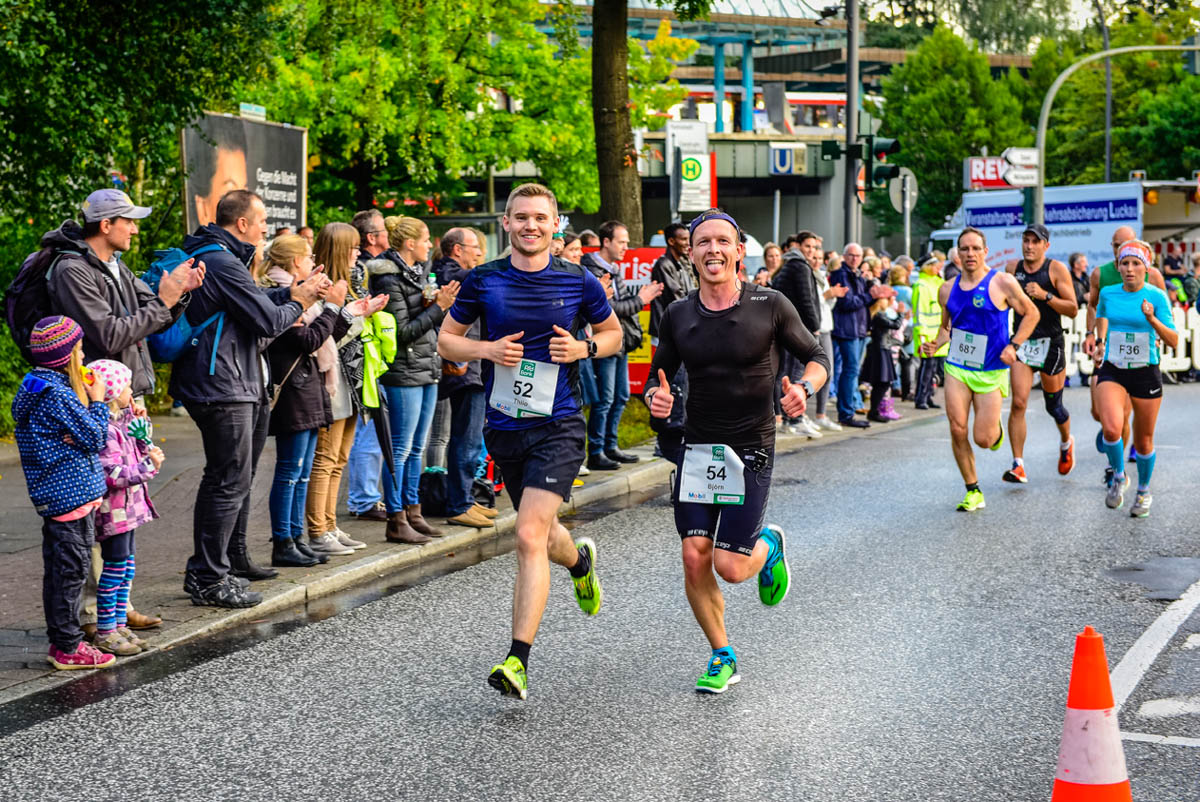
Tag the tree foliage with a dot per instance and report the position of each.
(943, 105)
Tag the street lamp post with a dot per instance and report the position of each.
(1107, 97)
(1039, 191)
(849, 208)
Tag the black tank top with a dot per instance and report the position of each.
(1050, 324)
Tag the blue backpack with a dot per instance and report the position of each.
(174, 341)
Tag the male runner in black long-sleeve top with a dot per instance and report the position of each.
(725, 334)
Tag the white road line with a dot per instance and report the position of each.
(1166, 708)
(1166, 740)
(1192, 642)
(1144, 651)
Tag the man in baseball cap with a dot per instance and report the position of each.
(1038, 230)
(105, 204)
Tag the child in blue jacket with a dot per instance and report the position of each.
(61, 427)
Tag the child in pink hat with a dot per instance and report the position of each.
(129, 460)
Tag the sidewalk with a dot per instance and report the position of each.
(163, 548)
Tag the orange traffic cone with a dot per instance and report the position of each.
(1091, 761)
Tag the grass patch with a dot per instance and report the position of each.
(634, 428)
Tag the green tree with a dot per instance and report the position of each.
(1168, 136)
(1010, 26)
(943, 105)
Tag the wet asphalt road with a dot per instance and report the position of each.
(923, 654)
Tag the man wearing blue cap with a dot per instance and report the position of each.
(724, 478)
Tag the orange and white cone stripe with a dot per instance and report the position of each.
(1091, 760)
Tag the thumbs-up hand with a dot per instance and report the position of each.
(794, 401)
(661, 400)
(507, 351)
(565, 348)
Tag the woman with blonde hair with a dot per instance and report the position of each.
(341, 367)
(411, 381)
(772, 259)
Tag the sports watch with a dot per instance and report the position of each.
(591, 345)
(808, 388)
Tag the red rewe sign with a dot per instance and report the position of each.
(985, 172)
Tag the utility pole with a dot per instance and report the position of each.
(851, 192)
(1107, 97)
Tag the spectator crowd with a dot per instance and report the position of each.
(327, 342)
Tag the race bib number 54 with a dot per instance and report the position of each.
(525, 390)
(712, 474)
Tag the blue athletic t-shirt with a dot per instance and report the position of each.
(1123, 311)
(507, 300)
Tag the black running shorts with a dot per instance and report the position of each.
(732, 527)
(1056, 360)
(1138, 382)
(546, 456)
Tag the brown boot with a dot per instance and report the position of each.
(398, 530)
(136, 620)
(418, 522)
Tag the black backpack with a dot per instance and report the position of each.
(27, 299)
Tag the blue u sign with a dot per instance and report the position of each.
(782, 160)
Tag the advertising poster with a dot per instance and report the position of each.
(222, 152)
(635, 271)
(1080, 218)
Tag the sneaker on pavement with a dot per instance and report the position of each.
(509, 678)
(775, 578)
(583, 471)
(828, 424)
(1066, 457)
(1115, 496)
(225, 592)
(132, 637)
(329, 544)
(1141, 504)
(1015, 474)
(588, 593)
(115, 643)
(470, 518)
(376, 513)
(720, 675)
(85, 656)
(972, 501)
(348, 541)
(808, 428)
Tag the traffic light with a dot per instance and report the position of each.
(878, 170)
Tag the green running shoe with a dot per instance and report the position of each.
(509, 678)
(972, 501)
(587, 588)
(719, 676)
(996, 445)
(775, 578)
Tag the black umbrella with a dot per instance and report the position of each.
(383, 430)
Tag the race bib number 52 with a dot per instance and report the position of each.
(525, 390)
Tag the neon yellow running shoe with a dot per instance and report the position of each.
(999, 442)
(509, 678)
(972, 501)
(719, 676)
(588, 592)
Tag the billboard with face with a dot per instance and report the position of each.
(222, 152)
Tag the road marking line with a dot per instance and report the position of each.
(1145, 650)
(1166, 708)
(1192, 642)
(1166, 740)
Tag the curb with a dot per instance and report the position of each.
(297, 595)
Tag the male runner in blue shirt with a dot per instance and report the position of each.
(529, 303)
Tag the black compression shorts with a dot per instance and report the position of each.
(546, 456)
(1138, 382)
(732, 527)
(1056, 360)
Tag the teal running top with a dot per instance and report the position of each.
(1123, 311)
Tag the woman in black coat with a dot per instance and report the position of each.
(879, 369)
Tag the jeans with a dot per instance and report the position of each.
(822, 398)
(587, 382)
(462, 453)
(258, 441)
(333, 451)
(66, 555)
(364, 467)
(612, 387)
(227, 433)
(850, 352)
(410, 411)
(439, 435)
(294, 454)
(925, 372)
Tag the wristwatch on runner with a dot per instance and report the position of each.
(808, 388)
(591, 345)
